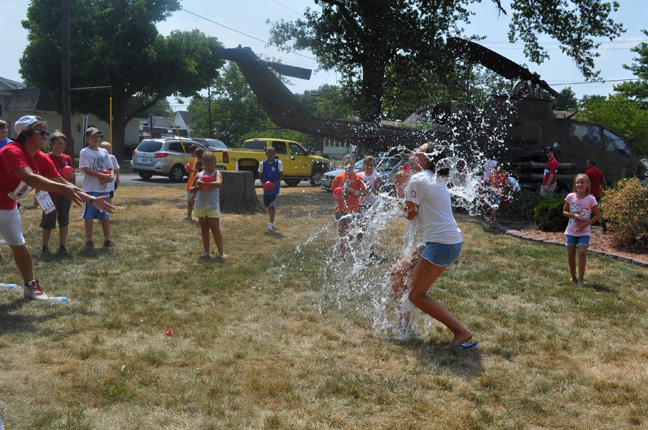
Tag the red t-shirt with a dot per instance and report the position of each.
(351, 203)
(596, 178)
(13, 157)
(551, 168)
(59, 163)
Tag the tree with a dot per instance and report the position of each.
(637, 90)
(570, 96)
(367, 40)
(624, 117)
(116, 43)
(235, 111)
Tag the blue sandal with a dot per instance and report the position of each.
(462, 346)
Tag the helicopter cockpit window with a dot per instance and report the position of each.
(614, 143)
(592, 135)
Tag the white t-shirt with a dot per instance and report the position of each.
(370, 181)
(95, 160)
(431, 195)
(110, 186)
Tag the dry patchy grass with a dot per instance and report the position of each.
(252, 346)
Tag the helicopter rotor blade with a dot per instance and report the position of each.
(240, 55)
(499, 64)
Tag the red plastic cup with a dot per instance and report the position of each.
(68, 172)
(105, 172)
(338, 191)
(268, 186)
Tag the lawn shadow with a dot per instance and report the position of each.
(466, 364)
(601, 288)
(275, 235)
(12, 323)
(211, 260)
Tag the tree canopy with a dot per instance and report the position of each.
(381, 46)
(116, 43)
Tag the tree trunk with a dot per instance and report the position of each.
(237, 194)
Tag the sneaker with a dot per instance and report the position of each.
(273, 228)
(63, 250)
(34, 291)
(44, 250)
(89, 245)
(109, 242)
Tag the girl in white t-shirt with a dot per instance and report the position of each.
(427, 200)
(582, 210)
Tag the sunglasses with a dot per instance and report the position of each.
(44, 133)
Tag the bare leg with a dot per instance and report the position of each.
(204, 231)
(425, 275)
(398, 277)
(571, 258)
(46, 237)
(105, 226)
(214, 226)
(189, 208)
(582, 260)
(23, 261)
(343, 229)
(271, 211)
(63, 231)
(88, 228)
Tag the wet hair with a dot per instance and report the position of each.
(29, 131)
(193, 148)
(581, 176)
(348, 157)
(199, 153)
(368, 158)
(592, 162)
(3, 125)
(207, 156)
(56, 136)
(435, 152)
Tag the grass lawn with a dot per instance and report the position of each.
(273, 338)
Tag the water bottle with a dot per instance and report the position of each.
(9, 287)
(57, 300)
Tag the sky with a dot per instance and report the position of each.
(244, 22)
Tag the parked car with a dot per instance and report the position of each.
(384, 166)
(163, 157)
(214, 145)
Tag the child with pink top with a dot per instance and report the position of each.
(582, 210)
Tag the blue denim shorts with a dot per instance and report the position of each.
(441, 254)
(576, 240)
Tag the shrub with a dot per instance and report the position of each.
(549, 215)
(523, 205)
(625, 210)
(128, 150)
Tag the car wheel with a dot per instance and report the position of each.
(292, 182)
(146, 176)
(177, 173)
(316, 179)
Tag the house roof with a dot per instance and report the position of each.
(187, 116)
(6, 85)
(29, 100)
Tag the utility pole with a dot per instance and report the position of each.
(66, 96)
(209, 109)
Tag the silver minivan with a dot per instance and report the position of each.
(163, 157)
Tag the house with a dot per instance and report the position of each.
(165, 126)
(17, 101)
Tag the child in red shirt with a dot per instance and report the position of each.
(347, 187)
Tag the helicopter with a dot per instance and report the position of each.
(522, 123)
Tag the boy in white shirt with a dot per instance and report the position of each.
(97, 173)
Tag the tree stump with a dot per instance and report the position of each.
(237, 194)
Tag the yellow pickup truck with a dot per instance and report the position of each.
(298, 164)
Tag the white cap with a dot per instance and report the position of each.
(24, 122)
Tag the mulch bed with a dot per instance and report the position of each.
(601, 242)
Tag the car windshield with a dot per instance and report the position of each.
(216, 144)
(149, 146)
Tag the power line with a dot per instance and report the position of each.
(244, 34)
(283, 5)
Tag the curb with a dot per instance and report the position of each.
(520, 235)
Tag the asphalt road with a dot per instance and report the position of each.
(133, 179)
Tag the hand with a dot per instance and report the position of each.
(107, 177)
(102, 205)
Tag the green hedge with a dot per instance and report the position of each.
(548, 215)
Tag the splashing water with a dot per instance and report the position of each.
(360, 283)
